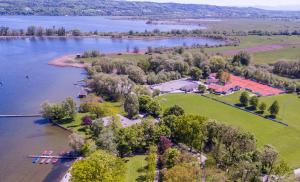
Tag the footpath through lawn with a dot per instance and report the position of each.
(285, 139)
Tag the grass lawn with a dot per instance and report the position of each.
(76, 124)
(285, 139)
(135, 168)
(130, 57)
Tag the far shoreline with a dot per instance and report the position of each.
(115, 37)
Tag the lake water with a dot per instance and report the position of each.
(87, 23)
(20, 137)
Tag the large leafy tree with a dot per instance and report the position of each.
(174, 110)
(131, 105)
(190, 130)
(269, 157)
(182, 172)
(242, 58)
(106, 140)
(274, 108)
(99, 167)
(154, 109)
(254, 102)
(144, 101)
(195, 73)
(59, 111)
(244, 98)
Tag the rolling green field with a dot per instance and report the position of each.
(136, 168)
(288, 52)
(285, 139)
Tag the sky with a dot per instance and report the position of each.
(272, 3)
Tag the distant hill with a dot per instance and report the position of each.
(129, 8)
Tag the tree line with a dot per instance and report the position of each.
(172, 140)
(287, 68)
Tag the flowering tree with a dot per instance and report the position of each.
(164, 144)
(87, 120)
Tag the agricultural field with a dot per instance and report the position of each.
(264, 49)
(136, 168)
(243, 24)
(284, 139)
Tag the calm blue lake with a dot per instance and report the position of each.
(20, 137)
(87, 23)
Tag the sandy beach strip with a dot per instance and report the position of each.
(67, 61)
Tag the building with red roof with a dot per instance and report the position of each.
(236, 83)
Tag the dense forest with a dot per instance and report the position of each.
(126, 8)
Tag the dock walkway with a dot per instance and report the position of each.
(19, 115)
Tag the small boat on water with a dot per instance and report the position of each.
(50, 152)
(35, 160)
(45, 152)
(43, 160)
(48, 161)
(54, 160)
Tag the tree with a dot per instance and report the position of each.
(190, 130)
(112, 87)
(206, 71)
(144, 102)
(99, 166)
(59, 111)
(69, 106)
(202, 88)
(195, 73)
(76, 32)
(217, 63)
(154, 109)
(31, 30)
(182, 172)
(76, 142)
(151, 160)
(155, 92)
(282, 168)
(136, 74)
(96, 108)
(170, 158)
(174, 110)
(97, 127)
(274, 108)
(61, 31)
(254, 102)
(244, 99)
(131, 105)
(242, 58)
(164, 144)
(87, 121)
(262, 107)
(52, 112)
(269, 157)
(223, 76)
(106, 140)
(199, 58)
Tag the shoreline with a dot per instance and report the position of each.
(68, 60)
(113, 37)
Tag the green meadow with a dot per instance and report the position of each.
(286, 139)
(136, 168)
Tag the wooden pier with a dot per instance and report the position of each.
(52, 157)
(20, 115)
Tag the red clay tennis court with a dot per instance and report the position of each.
(257, 88)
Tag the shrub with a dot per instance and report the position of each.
(87, 121)
(151, 168)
